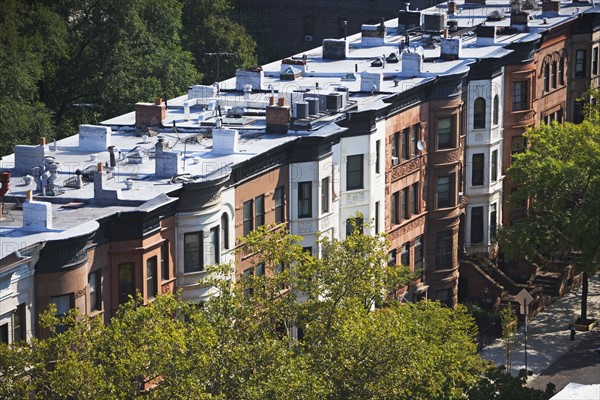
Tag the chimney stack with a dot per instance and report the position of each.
(166, 163)
(148, 114)
(451, 7)
(111, 153)
(278, 116)
(5, 182)
(335, 49)
(451, 48)
(37, 215)
(550, 8)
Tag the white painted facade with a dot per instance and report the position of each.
(484, 150)
(17, 296)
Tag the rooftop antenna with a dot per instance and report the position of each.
(345, 28)
(218, 55)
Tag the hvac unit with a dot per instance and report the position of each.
(308, 38)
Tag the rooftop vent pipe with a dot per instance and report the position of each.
(5, 181)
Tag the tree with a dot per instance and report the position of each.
(304, 330)
(209, 28)
(115, 54)
(23, 117)
(558, 176)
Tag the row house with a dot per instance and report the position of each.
(410, 123)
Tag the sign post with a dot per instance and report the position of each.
(524, 299)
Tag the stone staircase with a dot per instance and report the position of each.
(550, 282)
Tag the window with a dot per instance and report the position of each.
(353, 224)
(247, 276)
(392, 257)
(354, 172)
(520, 95)
(444, 296)
(94, 283)
(405, 144)
(443, 249)
(259, 210)
(151, 281)
(325, 195)
(405, 255)
(259, 270)
(278, 197)
(595, 61)
(477, 169)
(479, 113)
(395, 144)
(414, 139)
(63, 304)
(444, 191)
(517, 144)
(546, 78)
(418, 251)
(476, 225)
(126, 279)
(376, 217)
(494, 166)
(164, 260)
(192, 251)
(405, 204)
(4, 333)
(19, 324)
(211, 250)
(248, 217)
(578, 112)
(377, 151)
(224, 232)
(304, 199)
(496, 115)
(580, 63)
(415, 199)
(396, 208)
(553, 75)
(493, 222)
(561, 72)
(445, 133)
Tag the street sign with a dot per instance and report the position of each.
(524, 299)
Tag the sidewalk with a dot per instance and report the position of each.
(548, 335)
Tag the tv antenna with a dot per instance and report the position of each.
(218, 55)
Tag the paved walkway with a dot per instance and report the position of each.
(548, 335)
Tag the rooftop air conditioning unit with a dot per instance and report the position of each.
(308, 38)
(395, 160)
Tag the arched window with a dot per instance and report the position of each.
(553, 75)
(496, 109)
(479, 113)
(224, 232)
(547, 78)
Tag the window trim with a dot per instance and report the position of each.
(579, 68)
(305, 195)
(151, 277)
(477, 225)
(248, 217)
(187, 266)
(520, 95)
(259, 211)
(451, 141)
(444, 254)
(478, 169)
(325, 195)
(479, 120)
(355, 160)
(496, 112)
(278, 198)
(95, 292)
(494, 166)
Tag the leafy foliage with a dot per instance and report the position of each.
(306, 330)
(557, 176)
(70, 62)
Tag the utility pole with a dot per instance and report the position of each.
(219, 54)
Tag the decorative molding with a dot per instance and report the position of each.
(405, 168)
(79, 293)
(355, 198)
(406, 228)
(190, 278)
(305, 227)
(446, 156)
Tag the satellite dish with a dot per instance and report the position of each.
(421, 145)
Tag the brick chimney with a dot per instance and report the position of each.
(373, 35)
(249, 76)
(278, 116)
(335, 49)
(486, 35)
(550, 7)
(148, 114)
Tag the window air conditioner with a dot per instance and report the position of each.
(395, 160)
(308, 38)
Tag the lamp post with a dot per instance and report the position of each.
(486, 291)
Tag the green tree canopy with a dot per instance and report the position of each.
(304, 330)
(557, 176)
